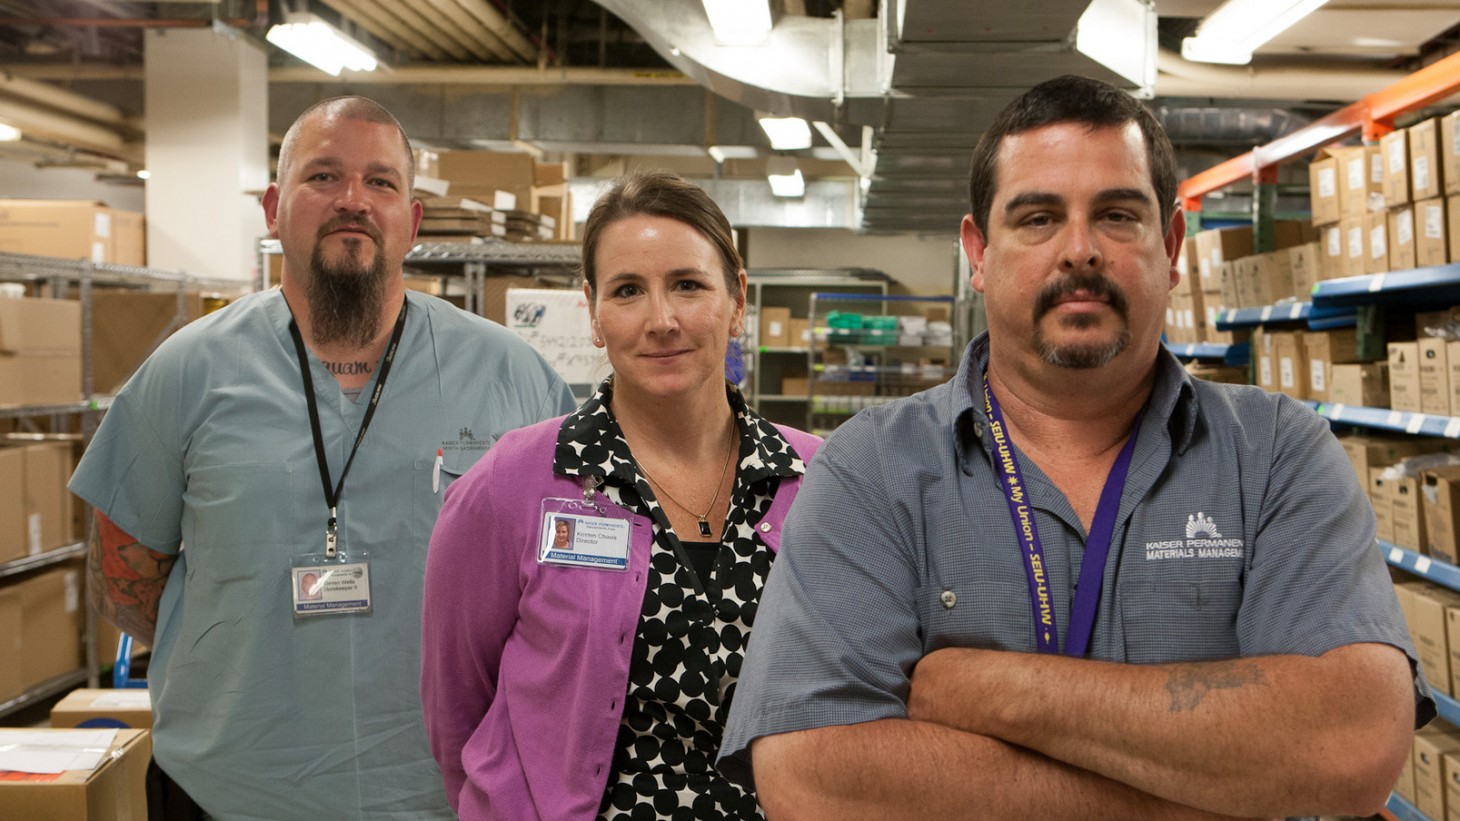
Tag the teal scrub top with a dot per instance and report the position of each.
(207, 453)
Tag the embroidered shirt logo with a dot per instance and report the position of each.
(1201, 525)
(466, 441)
(1203, 541)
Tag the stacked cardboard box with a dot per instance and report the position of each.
(36, 509)
(40, 628)
(114, 790)
(40, 351)
(513, 183)
(73, 229)
(126, 326)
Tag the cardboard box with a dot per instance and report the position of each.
(1449, 129)
(1452, 355)
(1186, 268)
(1440, 497)
(48, 505)
(1271, 277)
(1429, 771)
(129, 238)
(1360, 179)
(1217, 246)
(1429, 623)
(1383, 503)
(1376, 243)
(66, 229)
(1401, 238)
(1404, 376)
(1264, 366)
(1229, 277)
(126, 326)
(795, 386)
(1368, 452)
(1363, 384)
(1394, 182)
(798, 333)
(1409, 517)
(13, 525)
(1430, 244)
(40, 351)
(1304, 263)
(1452, 226)
(1324, 349)
(1450, 764)
(1452, 637)
(1434, 376)
(1426, 172)
(1213, 307)
(775, 327)
(115, 791)
(50, 626)
(479, 175)
(1323, 190)
(1332, 251)
(1355, 246)
(86, 707)
(1406, 777)
(1291, 363)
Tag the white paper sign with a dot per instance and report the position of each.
(555, 322)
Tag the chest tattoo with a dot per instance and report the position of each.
(349, 368)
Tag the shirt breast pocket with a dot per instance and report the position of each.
(986, 614)
(1181, 620)
(428, 489)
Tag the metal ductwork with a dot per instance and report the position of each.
(928, 75)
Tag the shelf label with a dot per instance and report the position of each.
(1422, 564)
(1452, 430)
(1395, 419)
(1296, 311)
(1266, 314)
(1395, 555)
(1377, 283)
(1416, 421)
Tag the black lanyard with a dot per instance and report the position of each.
(332, 493)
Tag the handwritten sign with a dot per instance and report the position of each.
(555, 322)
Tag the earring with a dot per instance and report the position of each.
(597, 341)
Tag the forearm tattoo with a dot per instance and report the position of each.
(126, 580)
(1189, 683)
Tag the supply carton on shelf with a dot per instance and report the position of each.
(1440, 493)
(1434, 376)
(1429, 622)
(126, 326)
(1402, 252)
(1426, 172)
(1376, 243)
(1217, 246)
(72, 229)
(40, 351)
(1305, 263)
(14, 528)
(1324, 350)
(1431, 245)
(1404, 376)
(1323, 190)
(1429, 774)
(1449, 128)
(1383, 503)
(46, 642)
(1409, 516)
(115, 789)
(1394, 148)
(1365, 384)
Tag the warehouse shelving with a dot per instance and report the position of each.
(1235, 354)
(57, 278)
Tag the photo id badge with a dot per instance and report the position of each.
(575, 533)
(324, 586)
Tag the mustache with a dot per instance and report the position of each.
(1093, 284)
(350, 223)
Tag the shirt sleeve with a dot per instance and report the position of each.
(837, 633)
(1318, 580)
(133, 472)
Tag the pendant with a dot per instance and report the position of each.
(704, 528)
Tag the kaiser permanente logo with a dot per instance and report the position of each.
(1203, 541)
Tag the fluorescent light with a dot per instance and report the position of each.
(1238, 27)
(787, 133)
(8, 133)
(144, 174)
(739, 22)
(716, 153)
(320, 44)
(787, 185)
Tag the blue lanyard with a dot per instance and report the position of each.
(1097, 544)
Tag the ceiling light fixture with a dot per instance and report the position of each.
(786, 133)
(9, 133)
(739, 22)
(320, 44)
(1238, 27)
(785, 178)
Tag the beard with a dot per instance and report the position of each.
(1085, 355)
(345, 294)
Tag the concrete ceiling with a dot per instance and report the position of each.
(903, 87)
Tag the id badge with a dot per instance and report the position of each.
(576, 533)
(322, 586)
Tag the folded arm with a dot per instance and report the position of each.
(903, 769)
(125, 579)
(1270, 735)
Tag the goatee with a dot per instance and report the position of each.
(346, 296)
(1089, 355)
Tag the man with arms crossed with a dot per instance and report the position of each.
(947, 634)
(297, 432)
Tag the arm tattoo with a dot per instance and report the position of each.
(1188, 684)
(126, 579)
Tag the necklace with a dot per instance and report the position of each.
(704, 525)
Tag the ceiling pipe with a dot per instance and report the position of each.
(410, 19)
(66, 101)
(1179, 77)
(477, 35)
(68, 130)
(385, 28)
(498, 24)
(398, 75)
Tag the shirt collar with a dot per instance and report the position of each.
(1173, 399)
(591, 443)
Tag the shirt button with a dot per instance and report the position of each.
(949, 598)
(765, 527)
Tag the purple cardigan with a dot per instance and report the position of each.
(525, 667)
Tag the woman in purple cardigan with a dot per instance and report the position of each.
(593, 680)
